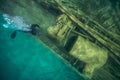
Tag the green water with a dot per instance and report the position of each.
(24, 58)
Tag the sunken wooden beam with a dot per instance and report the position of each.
(105, 40)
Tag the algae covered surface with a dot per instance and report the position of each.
(76, 39)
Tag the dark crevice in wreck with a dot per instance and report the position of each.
(70, 43)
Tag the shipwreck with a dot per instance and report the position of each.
(85, 37)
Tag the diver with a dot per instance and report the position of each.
(33, 30)
(17, 23)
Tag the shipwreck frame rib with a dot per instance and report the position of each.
(115, 48)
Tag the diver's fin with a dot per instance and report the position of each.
(13, 35)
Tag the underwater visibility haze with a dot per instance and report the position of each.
(25, 58)
(59, 39)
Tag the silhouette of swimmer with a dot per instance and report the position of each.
(33, 31)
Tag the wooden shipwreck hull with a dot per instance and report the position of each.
(85, 43)
(86, 38)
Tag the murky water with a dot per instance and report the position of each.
(25, 58)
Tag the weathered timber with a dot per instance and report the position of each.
(115, 48)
